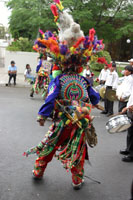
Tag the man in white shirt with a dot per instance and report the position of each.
(88, 74)
(131, 62)
(123, 91)
(103, 75)
(111, 83)
(128, 152)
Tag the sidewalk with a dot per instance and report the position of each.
(20, 82)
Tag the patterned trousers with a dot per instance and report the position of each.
(41, 162)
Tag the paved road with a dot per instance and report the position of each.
(19, 131)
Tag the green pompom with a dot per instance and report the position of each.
(56, 73)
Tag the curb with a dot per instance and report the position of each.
(16, 86)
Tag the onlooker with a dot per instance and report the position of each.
(12, 72)
(103, 75)
(28, 75)
(111, 83)
(123, 91)
(88, 74)
(131, 191)
(131, 61)
(128, 152)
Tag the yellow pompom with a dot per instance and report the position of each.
(87, 120)
(67, 122)
(72, 49)
(60, 113)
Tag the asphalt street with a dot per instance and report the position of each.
(20, 131)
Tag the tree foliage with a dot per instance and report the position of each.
(112, 19)
(21, 44)
(97, 66)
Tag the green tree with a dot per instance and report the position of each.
(28, 16)
(112, 19)
(2, 32)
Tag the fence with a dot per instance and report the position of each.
(21, 59)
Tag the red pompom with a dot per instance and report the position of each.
(55, 67)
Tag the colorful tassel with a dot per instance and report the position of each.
(54, 10)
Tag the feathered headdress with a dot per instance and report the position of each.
(70, 49)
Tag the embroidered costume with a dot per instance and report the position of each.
(67, 95)
(70, 97)
(42, 80)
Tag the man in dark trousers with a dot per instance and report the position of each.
(12, 72)
(128, 152)
(111, 83)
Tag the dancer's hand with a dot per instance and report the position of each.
(131, 108)
(41, 122)
(124, 110)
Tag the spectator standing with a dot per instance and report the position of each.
(88, 74)
(123, 91)
(103, 75)
(12, 72)
(131, 62)
(111, 83)
(128, 152)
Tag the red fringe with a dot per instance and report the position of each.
(80, 40)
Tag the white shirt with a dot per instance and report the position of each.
(112, 79)
(27, 71)
(103, 75)
(124, 89)
(130, 101)
(86, 72)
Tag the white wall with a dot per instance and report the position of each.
(21, 59)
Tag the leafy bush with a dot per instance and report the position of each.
(97, 66)
(22, 44)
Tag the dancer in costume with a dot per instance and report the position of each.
(42, 79)
(70, 96)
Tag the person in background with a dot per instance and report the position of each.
(123, 91)
(131, 62)
(111, 83)
(131, 191)
(88, 74)
(103, 75)
(128, 152)
(42, 79)
(27, 74)
(12, 72)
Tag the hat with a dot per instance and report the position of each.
(12, 62)
(131, 60)
(129, 68)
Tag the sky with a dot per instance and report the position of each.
(4, 14)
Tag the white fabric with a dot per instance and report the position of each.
(25, 72)
(112, 79)
(124, 89)
(130, 101)
(103, 75)
(86, 72)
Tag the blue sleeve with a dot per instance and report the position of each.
(93, 95)
(53, 92)
(38, 66)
